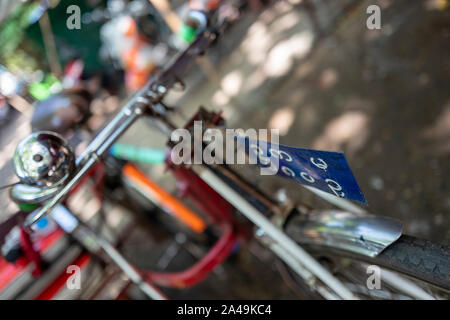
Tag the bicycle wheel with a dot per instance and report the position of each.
(421, 261)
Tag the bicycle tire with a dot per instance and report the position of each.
(417, 258)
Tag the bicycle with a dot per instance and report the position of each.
(323, 233)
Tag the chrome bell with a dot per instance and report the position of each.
(44, 159)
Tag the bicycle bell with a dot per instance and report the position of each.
(44, 159)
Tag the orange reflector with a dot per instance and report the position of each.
(163, 198)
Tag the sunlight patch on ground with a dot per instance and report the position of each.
(255, 80)
(328, 78)
(231, 83)
(228, 112)
(6, 153)
(349, 130)
(436, 4)
(222, 101)
(282, 7)
(220, 98)
(294, 2)
(282, 120)
(268, 16)
(281, 57)
(287, 22)
(439, 132)
(257, 43)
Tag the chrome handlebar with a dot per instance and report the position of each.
(141, 103)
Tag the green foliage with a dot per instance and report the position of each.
(12, 33)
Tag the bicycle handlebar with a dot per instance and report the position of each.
(152, 93)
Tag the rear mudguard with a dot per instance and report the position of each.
(367, 235)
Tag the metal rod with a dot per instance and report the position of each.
(155, 88)
(49, 44)
(92, 158)
(100, 139)
(403, 284)
(300, 270)
(273, 232)
(86, 237)
(128, 269)
(341, 203)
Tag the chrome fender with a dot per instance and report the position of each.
(363, 234)
(23, 193)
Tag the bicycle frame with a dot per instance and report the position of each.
(141, 103)
(216, 208)
(218, 211)
(148, 101)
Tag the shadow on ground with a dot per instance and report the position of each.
(381, 96)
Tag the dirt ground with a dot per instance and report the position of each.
(380, 96)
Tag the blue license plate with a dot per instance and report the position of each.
(324, 170)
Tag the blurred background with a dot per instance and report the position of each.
(310, 68)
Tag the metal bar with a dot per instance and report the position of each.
(155, 89)
(299, 269)
(341, 203)
(403, 284)
(92, 159)
(273, 232)
(202, 268)
(50, 45)
(93, 242)
(110, 128)
(128, 269)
